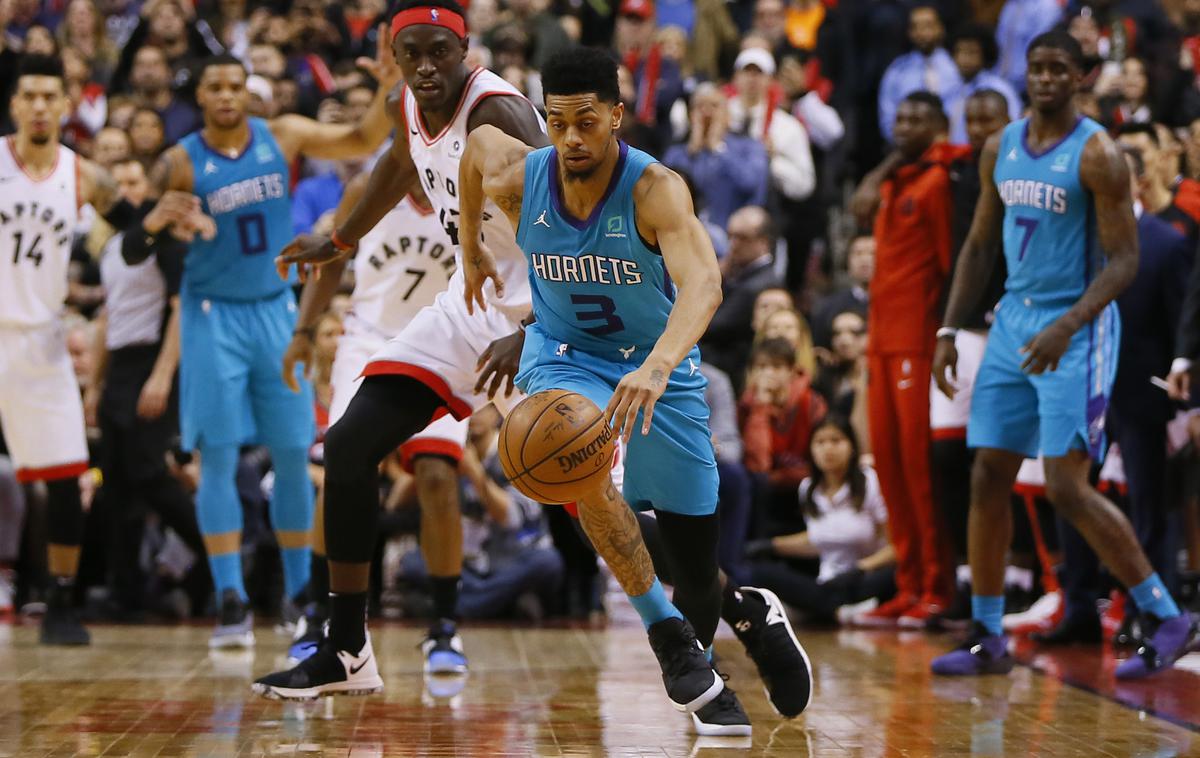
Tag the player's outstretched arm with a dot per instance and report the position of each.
(665, 212)
(977, 260)
(493, 165)
(318, 294)
(1103, 171)
(298, 135)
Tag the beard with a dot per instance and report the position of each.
(40, 139)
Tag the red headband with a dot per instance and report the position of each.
(442, 17)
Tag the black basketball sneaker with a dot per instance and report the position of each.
(771, 643)
(687, 674)
(328, 671)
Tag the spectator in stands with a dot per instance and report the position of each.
(83, 31)
(546, 34)
(768, 302)
(88, 98)
(1154, 187)
(776, 415)
(731, 169)
(928, 67)
(846, 527)
(806, 96)
(735, 491)
(171, 26)
(974, 51)
(146, 135)
(39, 40)
(842, 378)
(1021, 21)
(658, 83)
(1130, 102)
(860, 267)
(912, 232)
(111, 146)
(787, 324)
(151, 80)
(746, 271)
(711, 39)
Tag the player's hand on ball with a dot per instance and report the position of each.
(637, 391)
(499, 362)
(945, 367)
(299, 350)
(1043, 352)
(309, 252)
(479, 265)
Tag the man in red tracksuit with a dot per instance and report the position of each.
(913, 255)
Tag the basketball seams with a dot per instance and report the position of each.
(530, 471)
(527, 475)
(557, 450)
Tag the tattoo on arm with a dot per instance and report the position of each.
(616, 536)
(510, 202)
(658, 377)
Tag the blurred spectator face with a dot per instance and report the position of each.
(770, 20)
(482, 15)
(478, 56)
(747, 229)
(325, 342)
(771, 376)
(985, 116)
(330, 111)
(150, 74)
(710, 110)
(79, 345)
(39, 41)
(25, 11)
(860, 260)
(968, 57)
(131, 181)
(146, 133)
(120, 113)
(75, 67)
(38, 107)
(635, 29)
(831, 449)
(112, 146)
(431, 62)
(167, 22)
(672, 43)
(784, 324)
(286, 94)
(767, 302)
(81, 20)
(849, 339)
(751, 83)
(268, 61)
(340, 305)
(1087, 34)
(482, 430)
(917, 126)
(1170, 154)
(278, 32)
(358, 102)
(1152, 158)
(925, 29)
(509, 49)
(516, 76)
(1133, 80)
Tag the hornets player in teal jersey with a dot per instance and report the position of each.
(237, 316)
(1059, 196)
(624, 282)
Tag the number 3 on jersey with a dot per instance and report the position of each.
(605, 310)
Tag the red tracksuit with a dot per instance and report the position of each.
(912, 261)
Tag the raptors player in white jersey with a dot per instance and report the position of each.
(429, 370)
(42, 187)
(400, 267)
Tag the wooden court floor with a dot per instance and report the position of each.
(156, 691)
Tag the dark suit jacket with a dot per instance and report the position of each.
(1150, 310)
(726, 343)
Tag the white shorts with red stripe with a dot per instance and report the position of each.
(445, 436)
(948, 417)
(41, 411)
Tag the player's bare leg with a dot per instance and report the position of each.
(1169, 633)
(989, 534)
(613, 529)
(436, 480)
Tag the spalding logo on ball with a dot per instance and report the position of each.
(556, 446)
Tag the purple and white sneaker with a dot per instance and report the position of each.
(1164, 641)
(981, 653)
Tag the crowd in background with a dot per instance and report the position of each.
(797, 127)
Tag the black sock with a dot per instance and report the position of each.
(348, 620)
(62, 592)
(318, 582)
(445, 597)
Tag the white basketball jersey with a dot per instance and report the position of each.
(401, 266)
(37, 220)
(437, 158)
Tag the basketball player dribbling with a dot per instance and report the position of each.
(624, 282)
(1056, 188)
(43, 184)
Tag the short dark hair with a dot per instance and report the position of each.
(987, 93)
(224, 59)
(775, 350)
(1132, 128)
(924, 97)
(404, 5)
(581, 70)
(40, 65)
(984, 37)
(1058, 39)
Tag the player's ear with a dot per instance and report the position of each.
(618, 113)
(465, 44)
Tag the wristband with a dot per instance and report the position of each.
(339, 244)
(947, 331)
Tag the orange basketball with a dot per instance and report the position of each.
(556, 445)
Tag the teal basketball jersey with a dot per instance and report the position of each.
(1050, 241)
(249, 199)
(596, 284)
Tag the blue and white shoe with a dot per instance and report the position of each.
(235, 624)
(443, 649)
(310, 630)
